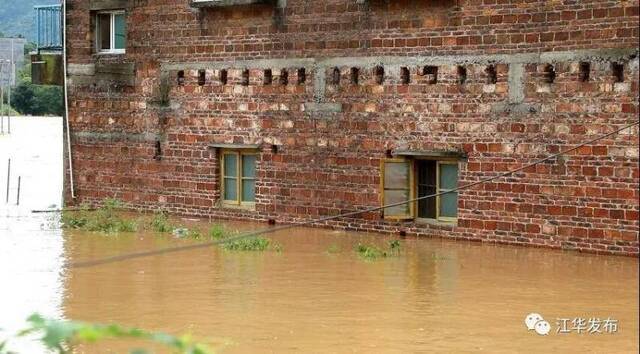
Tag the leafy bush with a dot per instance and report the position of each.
(61, 336)
(37, 99)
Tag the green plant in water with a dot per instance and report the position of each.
(183, 232)
(61, 336)
(217, 232)
(370, 252)
(105, 219)
(160, 222)
(248, 244)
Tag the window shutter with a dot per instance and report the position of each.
(396, 181)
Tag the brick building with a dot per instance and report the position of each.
(297, 109)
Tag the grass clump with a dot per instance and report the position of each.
(160, 222)
(105, 219)
(249, 244)
(217, 232)
(371, 252)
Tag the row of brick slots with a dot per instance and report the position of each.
(431, 72)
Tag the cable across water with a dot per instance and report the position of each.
(118, 258)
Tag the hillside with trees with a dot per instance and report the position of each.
(17, 17)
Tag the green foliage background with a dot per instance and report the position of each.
(17, 19)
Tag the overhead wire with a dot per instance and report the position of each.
(123, 257)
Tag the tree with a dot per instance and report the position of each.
(37, 99)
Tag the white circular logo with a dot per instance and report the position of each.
(542, 327)
(531, 320)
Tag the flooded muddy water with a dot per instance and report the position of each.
(315, 296)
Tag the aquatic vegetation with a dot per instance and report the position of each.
(371, 252)
(248, 244)
(62, 336)
(160, 222)
(105, 219)
(183, 232)
(217, 232)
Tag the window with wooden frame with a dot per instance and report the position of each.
(111, 32)
(410, 178)
(238, 178)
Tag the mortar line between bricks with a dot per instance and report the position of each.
(124, 257)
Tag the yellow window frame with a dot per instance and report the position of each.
(238, 202)
(410, 187)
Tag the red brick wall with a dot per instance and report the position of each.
(329, 162)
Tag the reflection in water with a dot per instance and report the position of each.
(439, 295)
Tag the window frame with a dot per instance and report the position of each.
(439, 190)
(112, 37)
(413, 188)
(237, 203)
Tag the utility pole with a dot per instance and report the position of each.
(1, 96)
(12, 80)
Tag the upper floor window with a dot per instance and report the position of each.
(111, 32)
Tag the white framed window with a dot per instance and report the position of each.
(111, 32)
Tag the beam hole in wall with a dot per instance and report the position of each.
(267, 77)
(379, 74)
(492, 74)
(549, 73)
(355, 76)
(245, 77)
(224, 76)
(584, 71)
(462, 74)
(202, 77)
(617, 69)
(335, 76)
(431, 73)
(158, 151)
(302, 76)
(180, 78)
(284, 77)
(405, 75)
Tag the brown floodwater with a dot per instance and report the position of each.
(316, 295)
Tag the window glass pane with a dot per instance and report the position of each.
(230, 165)
(119, 31)
(448, 176)
(449, 205)
(395, 196)
(104, 31)
(230, 189)
(249, 166)
(248, 190)
(396, 175)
